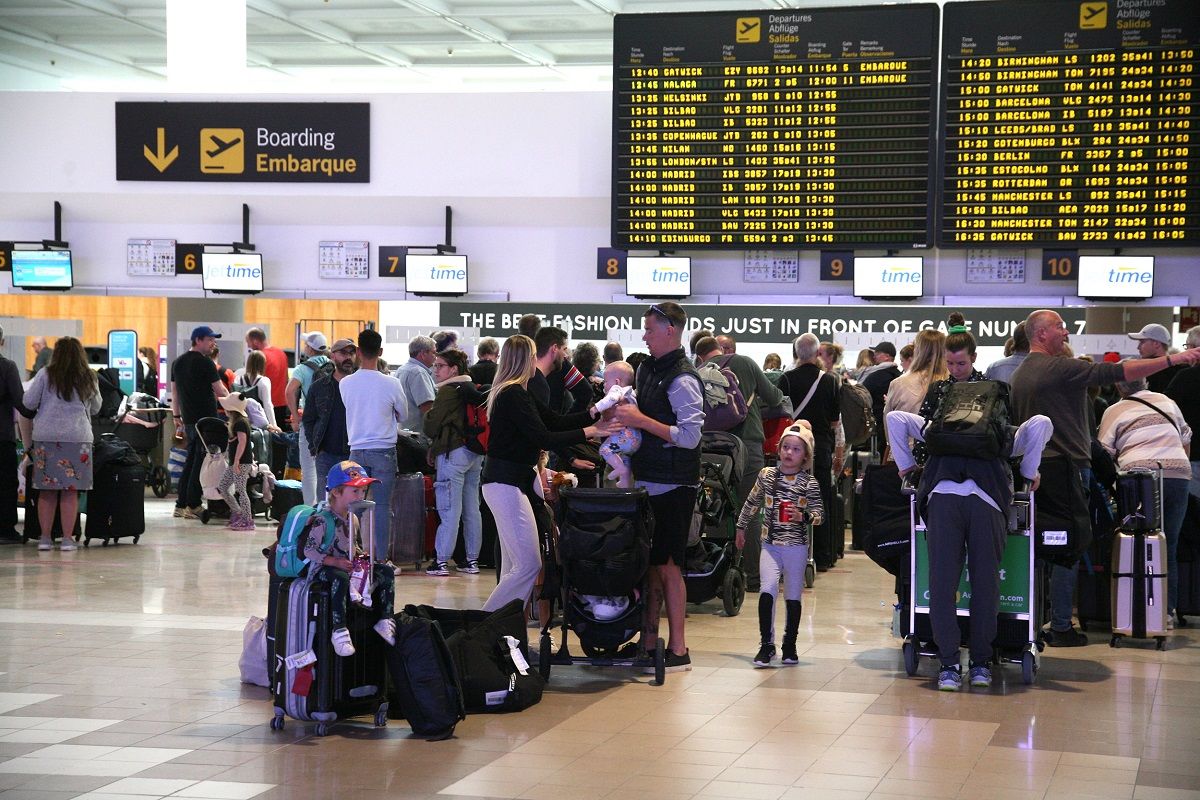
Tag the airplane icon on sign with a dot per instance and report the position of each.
(221, 146)
(1091, 11)
(749, 25)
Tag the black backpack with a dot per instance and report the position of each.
(971, 420)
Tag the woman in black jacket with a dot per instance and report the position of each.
(520, 428)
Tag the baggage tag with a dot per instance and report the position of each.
(301, 660)
(514, 652)
(1054, 538)
(302, 685)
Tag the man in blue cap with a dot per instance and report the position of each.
(195, 387)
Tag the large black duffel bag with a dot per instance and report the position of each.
(493, 678)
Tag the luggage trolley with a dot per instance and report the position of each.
(1018, 635)
(140, 423)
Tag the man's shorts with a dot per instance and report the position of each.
(672, 521)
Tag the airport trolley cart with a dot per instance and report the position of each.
(1018, 635)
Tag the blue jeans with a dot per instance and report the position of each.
(457, 494)
(380, 464)
(324, 463)
(1062, 579)
(1175, 502)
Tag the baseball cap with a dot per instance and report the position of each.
(203, 332)
(316, 340)
(885, 347)
(348, 473)
(342, 344)
(1155, 333)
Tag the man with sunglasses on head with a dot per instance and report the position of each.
(670, 414)
(324, 419)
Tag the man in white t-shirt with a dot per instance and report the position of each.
(374, 404)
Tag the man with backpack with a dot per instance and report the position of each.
(877, 380)
(315, 351)
(753, 385)
(964, 495)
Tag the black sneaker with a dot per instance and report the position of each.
(470, 568)
(438, 568)
(1068, 638)
(766, 654)
(676, 663)
(789, 655)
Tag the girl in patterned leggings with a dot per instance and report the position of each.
(791, 499)
(240, 461)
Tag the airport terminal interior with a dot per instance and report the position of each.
(849, 169)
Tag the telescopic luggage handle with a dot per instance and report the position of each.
(360, 510)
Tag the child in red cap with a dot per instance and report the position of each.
(347, 483)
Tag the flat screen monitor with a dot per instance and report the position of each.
(658, 276)
(1116, 277)
(444, 275)
(889, 277)
(232, 273)
(42, 269)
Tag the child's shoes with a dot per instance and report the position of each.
(766, 654)
(386, 628)
(341, 643)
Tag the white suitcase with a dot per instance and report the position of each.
(1139, 591)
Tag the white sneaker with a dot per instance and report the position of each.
(386, 628)
(1171, 620)
(67, 545)
(341, 643)
(45, 544)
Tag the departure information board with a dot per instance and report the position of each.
(1070, 124)
(806, 128)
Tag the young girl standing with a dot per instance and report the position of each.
(791, 499)
(240, 460)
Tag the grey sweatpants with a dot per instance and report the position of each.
(788, 561)
(957, 526)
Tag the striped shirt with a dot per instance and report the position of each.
(784, 499)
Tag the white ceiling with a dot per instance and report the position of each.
(338, 45)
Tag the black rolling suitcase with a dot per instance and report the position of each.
(308, 680)
(117, 504)
(33, 527)
(487, 550)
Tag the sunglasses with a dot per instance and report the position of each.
(656, 310)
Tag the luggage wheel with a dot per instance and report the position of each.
(322, 729)
(381, 716)
(277, 722)
(911, 656)
(1160, 643)
(660, 663)
(1029, 667)
(1115, 641)
(810, 576)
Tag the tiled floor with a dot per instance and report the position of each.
(119, 680)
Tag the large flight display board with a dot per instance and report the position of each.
(1070, 124)
(805, 128)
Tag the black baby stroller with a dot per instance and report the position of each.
(604, 552)
(714, 564)
(140, 423)
(214, 437)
